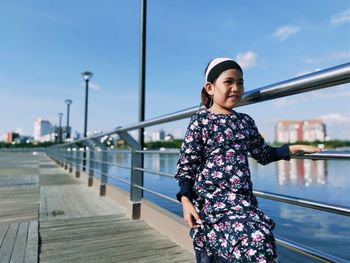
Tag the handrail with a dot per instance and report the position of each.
(308, 251)
(309, 82)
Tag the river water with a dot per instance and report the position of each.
(324, 181)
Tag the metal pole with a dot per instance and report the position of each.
(67, 128)
(85, 122)
(86, 105)
(60, 127)
(142, 73)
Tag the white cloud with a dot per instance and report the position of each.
(341, 18)
(339, 55)
(284, 32)
(92, 86)
(247, 59)
(334, 118)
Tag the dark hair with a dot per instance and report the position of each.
(207, 100)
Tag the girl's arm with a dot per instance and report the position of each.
(302, 149)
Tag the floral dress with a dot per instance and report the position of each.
(213, 171)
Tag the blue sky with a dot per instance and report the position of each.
(45, 45)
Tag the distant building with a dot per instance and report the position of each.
(293, 131)
(158, 135)
(11, 137)
(43, 130)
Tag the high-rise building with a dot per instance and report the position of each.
(293, 131)
(11, 136)
(158, 135)
(42, 130)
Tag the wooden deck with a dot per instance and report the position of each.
(41, 203)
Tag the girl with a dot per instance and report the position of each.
(214, 177)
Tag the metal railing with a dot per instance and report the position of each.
(310, 82)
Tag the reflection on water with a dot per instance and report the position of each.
(301, 172)
(324, 181)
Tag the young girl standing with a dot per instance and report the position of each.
(214, 177)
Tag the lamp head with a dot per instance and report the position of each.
(87, 75)
(68, 102)
(60, 114)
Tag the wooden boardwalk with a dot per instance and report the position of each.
(46, 215)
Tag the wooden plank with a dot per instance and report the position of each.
(20, 243)
(31, 253)
(7, 246)
(3, 231)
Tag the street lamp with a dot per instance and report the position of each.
(87, 76)
(60, 115)
(68, 103)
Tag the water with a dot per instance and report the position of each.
(324, 181)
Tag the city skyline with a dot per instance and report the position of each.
(47, 46)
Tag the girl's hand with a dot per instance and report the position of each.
(301, 149)
(190, 213)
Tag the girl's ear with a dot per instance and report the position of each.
(209, 88)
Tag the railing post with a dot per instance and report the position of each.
(77, 163)
(91, 163)
(136, 178)
(104, 167)
(104, 171)
(71, 159)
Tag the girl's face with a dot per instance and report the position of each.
(226, 91)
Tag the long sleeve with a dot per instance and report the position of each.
(190, 158)
(261, 151)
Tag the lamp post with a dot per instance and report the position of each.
(60, 115)
(87, 75)
(68, 103)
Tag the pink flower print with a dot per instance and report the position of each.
(219, 137)
(260, 260)
(188, 138)
(223, 242)
(228, 132)
(238, 226)
(219, 204)
(221, 226)
(237, 253)
(241, 158)
(231, 197)
(215, 128)
(250, 252)
(188, 150)
(217, 174)
(205, 121)
(234, 180)
(228, 156)
(210, 165)
(205, 172)
(211, 235)
(228, 168)
(218, 160)
(237, 208)
(222, 121)
(257, 236)
(245, 203)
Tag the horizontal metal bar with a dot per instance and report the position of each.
(119, 179)
(326, 155)
(341, 210)
(307, 251)
(166, 151)
(154, 172)
(156, 193)
(318, 80)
